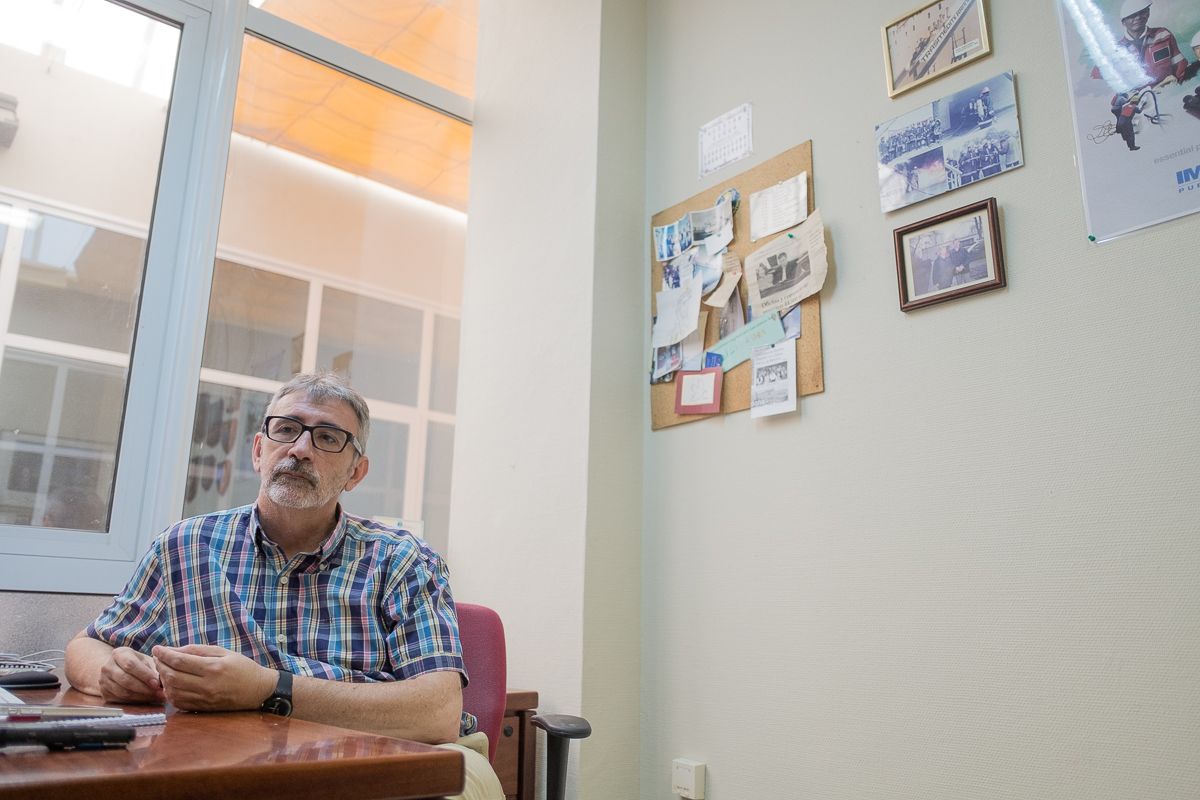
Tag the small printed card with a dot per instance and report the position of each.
(698, 392)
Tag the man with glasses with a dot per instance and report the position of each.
(291, 605)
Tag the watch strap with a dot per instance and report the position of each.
(280, 701)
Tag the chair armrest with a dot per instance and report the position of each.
(563, 725)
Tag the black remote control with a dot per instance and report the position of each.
(63, 738)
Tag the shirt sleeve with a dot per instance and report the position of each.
(137, 617)
(425, 635)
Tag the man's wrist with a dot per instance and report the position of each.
(265, 684)
(279, 702)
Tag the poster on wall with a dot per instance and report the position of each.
(954, 141)
(1135, 97)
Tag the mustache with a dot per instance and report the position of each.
(295, 467)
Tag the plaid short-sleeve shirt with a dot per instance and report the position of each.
(372, 604)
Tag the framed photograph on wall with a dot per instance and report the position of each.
(934, 39)
(949, 256)
(962, 138)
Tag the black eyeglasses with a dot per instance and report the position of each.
(325, 438)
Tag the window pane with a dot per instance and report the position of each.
(221, 470)
(59, 424)
(78, 284)
(432, 39)
(382, 492)
(375, 343)
(86, 89)
(313, 197)
(288, 101)
(439, 459)
(444, 387)
(255, 322)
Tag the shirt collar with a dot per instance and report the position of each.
(326, 554)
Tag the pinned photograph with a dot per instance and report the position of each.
(671, 240)
(956, 140)
(934, 39)
(664, 361)
(713, 227)
(949, 256)
(773, 380)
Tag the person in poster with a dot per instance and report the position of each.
(1133, 91)
(1155, 48)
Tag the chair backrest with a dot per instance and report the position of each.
(482, 635)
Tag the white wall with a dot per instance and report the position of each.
(969, 568)
(547, 484)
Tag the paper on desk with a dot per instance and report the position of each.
(736, 347)
(788, 268)
(773, 380)
(678, 312)
(731, 273)
(778, 207)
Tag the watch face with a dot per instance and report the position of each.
(278, 705)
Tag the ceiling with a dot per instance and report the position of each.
(296, 104)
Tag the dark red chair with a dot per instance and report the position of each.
(482, 636)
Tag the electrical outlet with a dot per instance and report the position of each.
(687, 778)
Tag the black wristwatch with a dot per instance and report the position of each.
(280, 701)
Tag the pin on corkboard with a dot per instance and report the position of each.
(735, 389)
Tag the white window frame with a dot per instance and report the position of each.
(166, 360)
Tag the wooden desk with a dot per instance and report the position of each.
(242, 754)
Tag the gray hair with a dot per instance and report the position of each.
(322, 387)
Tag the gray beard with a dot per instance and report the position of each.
(291, 492)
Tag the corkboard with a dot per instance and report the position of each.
(735, 390)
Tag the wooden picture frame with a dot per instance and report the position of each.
(928, 42)
(952, 255)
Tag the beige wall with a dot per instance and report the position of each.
(969, 568)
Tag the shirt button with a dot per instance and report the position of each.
(283, 580)
(281, 638)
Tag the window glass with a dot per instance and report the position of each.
(78, 284)
(86, 89)
(382, 492)
(221, 468)
(432, 39)
(375, 343)
(255, 322)
(296, 104)
(331, 256)
(439, 458)
(59, 426)
(444, 382)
